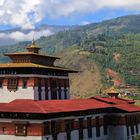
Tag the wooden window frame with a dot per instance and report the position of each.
(24, 83)
(12, 84)
(47, 128)
(69, 125)
(21, 130)
(4, 130)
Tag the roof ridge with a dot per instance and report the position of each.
(99, 99)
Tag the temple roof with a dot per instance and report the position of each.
(113, 100)
(32, 59)
(33, 65)
(30, 53)
(60, 106)
(52, 106)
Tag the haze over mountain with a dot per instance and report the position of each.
(16, 35)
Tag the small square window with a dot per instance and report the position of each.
(21, 130)
(4, 130)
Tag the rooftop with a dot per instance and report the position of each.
(59, 106)
(33, 65)
(35, 60)
(30, 53)
(113, 100)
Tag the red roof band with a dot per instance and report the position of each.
(57, 106)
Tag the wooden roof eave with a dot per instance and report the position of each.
(32, 54)
(32, 65)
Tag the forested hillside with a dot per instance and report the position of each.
(112, 45)
(119, 53)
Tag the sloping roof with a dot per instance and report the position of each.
(30, 53)
(51, 106)
(62, 106)
(128, 107)
(113, 100)
(33, 65)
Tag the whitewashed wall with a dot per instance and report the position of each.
(7, 96)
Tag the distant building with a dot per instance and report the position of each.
(35, 104)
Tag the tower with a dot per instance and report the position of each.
(31, 75)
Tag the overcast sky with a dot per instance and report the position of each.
(28, 13)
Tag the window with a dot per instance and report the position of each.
(105, 125)
(54, 89)
(89, 125)
(81, 134)
(81, 129)
(68, 136)
(54, 136)
(127, 129)
(81, 123)
(47, 128)
(24, 85)
(69, 124)
(46, 89)
(137, 129)
(54, 83)
(55, 127)
(59, 90)
(132, 130)
(47, 138)
(65, 89)
(21, 130)
(97, 127)
(65, 93)
(39, 89)
(4, 130)
(1, 82)
(12, 84)
(105, 130)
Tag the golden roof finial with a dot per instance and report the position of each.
(33, 45)
(33, 42)
(33, 48)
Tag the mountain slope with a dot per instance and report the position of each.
(87, 82)
(114, 27)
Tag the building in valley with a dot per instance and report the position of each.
(35, 104)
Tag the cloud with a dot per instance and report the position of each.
(21, 13)
(20, 36)
(26, 13)
(72, 7)
(85, 23)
